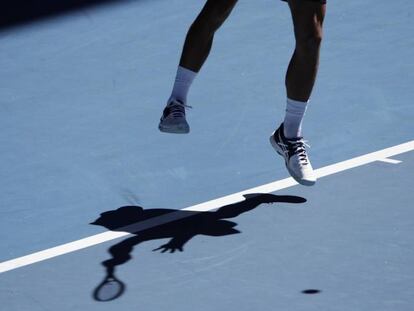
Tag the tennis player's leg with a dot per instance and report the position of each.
(307, 16)
(197, 46)
(307, 19)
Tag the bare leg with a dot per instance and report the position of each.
(200, 36)
(196, 49)
(307, 19)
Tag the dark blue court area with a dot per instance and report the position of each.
(101, 211)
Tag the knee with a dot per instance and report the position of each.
(214, 15)
(308, 44)
(223, 8)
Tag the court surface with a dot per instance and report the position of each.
(81, 96)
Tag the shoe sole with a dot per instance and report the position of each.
(279, 150)
(174, 130)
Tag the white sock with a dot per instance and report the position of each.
(182, 84)
(292, 125)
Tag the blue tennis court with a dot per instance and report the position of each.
(209, 220)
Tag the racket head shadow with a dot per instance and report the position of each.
(109, 289)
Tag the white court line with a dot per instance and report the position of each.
(391, 161)
(203, 207)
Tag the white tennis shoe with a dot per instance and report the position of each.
(296, 158)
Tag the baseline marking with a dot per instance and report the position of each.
(202, 207)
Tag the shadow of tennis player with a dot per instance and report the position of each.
(17, 12)
(178, 225)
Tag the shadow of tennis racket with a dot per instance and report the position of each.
(110, 288)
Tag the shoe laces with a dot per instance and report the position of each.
(177, 108)
(298, 147)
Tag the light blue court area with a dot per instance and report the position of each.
(81, 94)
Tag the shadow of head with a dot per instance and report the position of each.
(120, 217)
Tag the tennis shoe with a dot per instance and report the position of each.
(293, 150)
(173, 118)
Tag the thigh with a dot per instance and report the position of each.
(307, 16)
(220, 7)
(215, 12)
